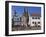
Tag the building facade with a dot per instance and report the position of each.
(17, 21)
(34, 20)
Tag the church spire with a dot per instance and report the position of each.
(25, 11)
(15, 13)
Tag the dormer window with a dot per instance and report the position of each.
(32, 17)
(35, 17)
(38, 17)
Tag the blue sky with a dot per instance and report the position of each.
(31, 10)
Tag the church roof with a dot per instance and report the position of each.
(35, 14)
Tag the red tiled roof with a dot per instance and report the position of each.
(36, 15)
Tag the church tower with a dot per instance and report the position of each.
(25, 17)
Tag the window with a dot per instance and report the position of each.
(35, 17)
(17, 18)
(32, 17)
(38, 22)
(38, 17)
(33, 22)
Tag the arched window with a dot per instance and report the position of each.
(38, 22)
(33, 22)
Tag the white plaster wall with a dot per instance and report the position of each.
(33, 20)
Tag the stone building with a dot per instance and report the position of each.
(25, 17)
(16, 20)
